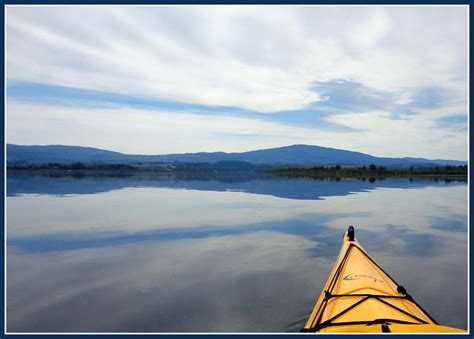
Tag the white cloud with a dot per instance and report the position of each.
(415, 136)
(257, 57)
(372, 30)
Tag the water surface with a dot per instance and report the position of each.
(214, 253)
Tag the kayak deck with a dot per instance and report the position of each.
(360, 296)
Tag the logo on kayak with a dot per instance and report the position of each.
(359, 276)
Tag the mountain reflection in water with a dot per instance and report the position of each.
(211, 253)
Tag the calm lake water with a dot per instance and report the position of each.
(234, 253)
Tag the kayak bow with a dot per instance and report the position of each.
(360, 296)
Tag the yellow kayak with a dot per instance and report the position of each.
(360, 296)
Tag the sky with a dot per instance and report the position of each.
(385, 80)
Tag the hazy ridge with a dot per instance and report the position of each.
(301, 155)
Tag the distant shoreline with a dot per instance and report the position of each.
(158, 167)
(372, 172)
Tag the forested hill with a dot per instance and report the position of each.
(300, 155)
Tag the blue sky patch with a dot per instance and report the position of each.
(351, 96)
(458, 120)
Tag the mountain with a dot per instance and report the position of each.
(300, 155)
